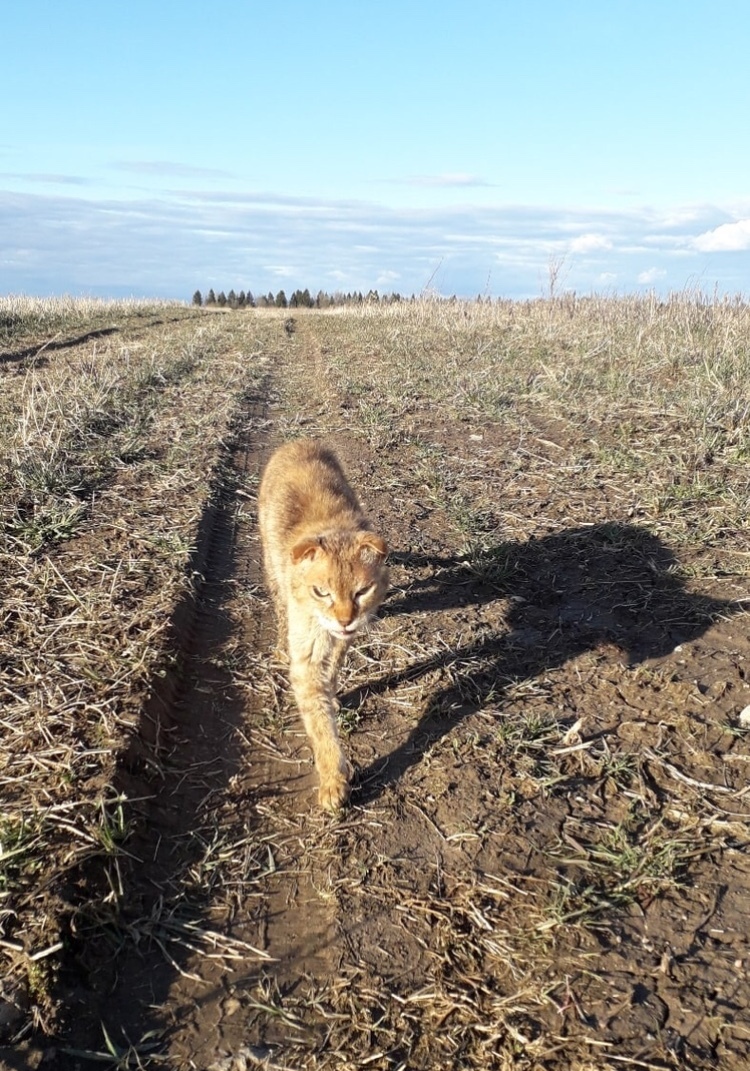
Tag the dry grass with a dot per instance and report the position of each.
(546, 817)
(652, 395)
(110, 448)
(614, 435)
(23, 316)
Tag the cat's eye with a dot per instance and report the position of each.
(319, 593)
(362, 592)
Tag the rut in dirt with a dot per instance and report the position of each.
(183, 757)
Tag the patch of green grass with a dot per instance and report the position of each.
(489, 564)
(349, 718)
(20, 837)
(629, 864)
(125, 1056)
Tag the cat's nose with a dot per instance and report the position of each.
(346, 614)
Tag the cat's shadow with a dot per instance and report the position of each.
(565, 594)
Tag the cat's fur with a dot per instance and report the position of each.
(325, 569)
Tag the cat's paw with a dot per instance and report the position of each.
(335, 789)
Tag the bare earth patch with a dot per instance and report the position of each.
(544, 865)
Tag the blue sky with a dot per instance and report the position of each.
(152, 148)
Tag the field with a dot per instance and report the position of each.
(544, 866)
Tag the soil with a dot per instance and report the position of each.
(521, 724)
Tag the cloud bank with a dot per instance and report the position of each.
(168, 245)
(728, 238)
(168, 169)
(447, 181)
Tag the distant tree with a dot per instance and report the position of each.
(294, 300)
(221, 299)
(241, 299)
(211, 298)
(305, 300)
(280, 301)
(262, 302)
(250, 300)
(271, 299)
(197, 298)
(232, 299)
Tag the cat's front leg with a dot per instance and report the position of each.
(313, 685)
(319, 717)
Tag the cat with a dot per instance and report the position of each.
(326, 573)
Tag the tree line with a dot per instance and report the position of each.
(302, 299)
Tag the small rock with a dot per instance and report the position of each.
(232, 1006)
(744, 718)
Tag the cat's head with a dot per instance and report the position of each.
(341, 577)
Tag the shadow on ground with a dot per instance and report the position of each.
(55, 344)
(130, 928)
(569, 593)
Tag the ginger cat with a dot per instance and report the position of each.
(326, 572)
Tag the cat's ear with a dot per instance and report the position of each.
(373, 545)
(306, 549)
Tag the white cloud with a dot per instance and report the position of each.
(651, 275)
(44, 178)
(167, 169)
(447, 181)
(728, 238)
(387, 278)
(282, 271)
(169, 245)
(590, 243)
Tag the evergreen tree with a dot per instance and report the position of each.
(197, 298)
(250, 300)
(280, 301)
(211, 298)
(221, 299)
(241, 299)
(232, 299)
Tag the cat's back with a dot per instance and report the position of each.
(304, 483)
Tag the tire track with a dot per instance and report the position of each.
(282, 907)
(123, 958)
(221, 867)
